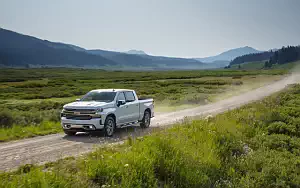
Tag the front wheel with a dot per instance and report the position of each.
(146, 119)
(109, 126)
(70, 133)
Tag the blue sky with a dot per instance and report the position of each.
(181, 28)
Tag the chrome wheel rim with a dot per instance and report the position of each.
(110, 127)
(147, 119)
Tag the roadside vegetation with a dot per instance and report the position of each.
(253, 146)
(31, 99)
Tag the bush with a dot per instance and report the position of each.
(6, 119)
(281, 128)
(237, 83)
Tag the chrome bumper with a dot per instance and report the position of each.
(87, 125)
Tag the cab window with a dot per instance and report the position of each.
(129, 96)
(121, 97)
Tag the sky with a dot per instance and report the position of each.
(178, 28)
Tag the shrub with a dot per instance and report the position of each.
(237, 83)
(281, 128)
(237, 77)
(6, 119)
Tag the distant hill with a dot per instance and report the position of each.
(145, 60)
(255, 65)
(252, 57)
(229, 55)
(136, 52)
(17, 50)
(284, 57)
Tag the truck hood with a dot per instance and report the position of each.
(88, 105)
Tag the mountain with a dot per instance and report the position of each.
(136, 52)
(255, 57)
(229, 55)
(145, 60)
(19, 50)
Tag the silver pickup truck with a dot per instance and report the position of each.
(106, 109)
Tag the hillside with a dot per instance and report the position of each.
(125, 59)
(136, 52)
(252, 57)
(229, 55)
(18, 50)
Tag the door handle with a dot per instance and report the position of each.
(126, 107)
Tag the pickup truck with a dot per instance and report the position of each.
(106, 109)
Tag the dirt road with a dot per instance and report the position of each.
(52, 147)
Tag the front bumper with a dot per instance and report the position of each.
(82, 125)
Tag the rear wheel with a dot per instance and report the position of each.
(146, 119)
(109, 126)
(70, 133)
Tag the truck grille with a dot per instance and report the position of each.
(78, 117)
(80, 111)
(78, 114)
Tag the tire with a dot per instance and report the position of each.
(146, 119)
(70, 133)
(109, 126)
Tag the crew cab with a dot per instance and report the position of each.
(106, 109)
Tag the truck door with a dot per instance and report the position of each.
(121, 111)
(133, 106)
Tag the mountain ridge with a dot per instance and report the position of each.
(229, 55)
(23, 50)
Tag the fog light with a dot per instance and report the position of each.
(91, 127)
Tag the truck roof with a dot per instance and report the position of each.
(112, 90)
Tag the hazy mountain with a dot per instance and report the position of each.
(18, 50)
(136, 52)
(252, 57)
(21, 50)
(229, 55)
(149, 61)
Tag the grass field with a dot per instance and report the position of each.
(257, 65)
(253, 146)
(31, 99)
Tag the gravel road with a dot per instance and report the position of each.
(48, 148)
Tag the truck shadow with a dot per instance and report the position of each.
(120, 135)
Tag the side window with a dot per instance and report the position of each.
(129, 96)
(121, 97)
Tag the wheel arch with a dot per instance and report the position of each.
(111, 115)
(149, 110)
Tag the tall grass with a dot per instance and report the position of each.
(38, 95)
(18, 132)
(254, 146)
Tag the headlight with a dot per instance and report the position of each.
(98, 110)
(62, 113)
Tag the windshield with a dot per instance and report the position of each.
(99, 96)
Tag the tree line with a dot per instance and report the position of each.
(252, 57)
(284, 55)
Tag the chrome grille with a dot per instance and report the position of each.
(79, 111)
(79, 114)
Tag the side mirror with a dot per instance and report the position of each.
(120, 102)
(77, 100)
